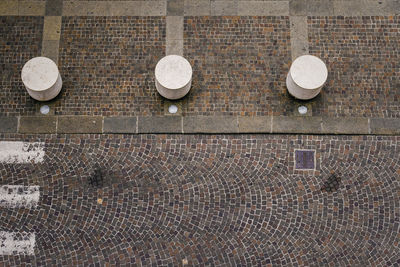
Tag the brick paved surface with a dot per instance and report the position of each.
(108, 65)
(21, 39)
(240, 64)
(362, 54)
(213, 200)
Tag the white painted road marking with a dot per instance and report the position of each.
(21, 152)
(19, 196)
(13, 243)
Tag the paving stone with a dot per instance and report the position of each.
(154, 8)
(210, 124)
(282, 124)
(345, 125)
(54, 7)
(80, 124)
(126, 8)
(174, 27)
(21, 38)
(8, 124)
(31, 8)
(259, 8)
(298, 36)
(361, 55)
(385, 126)
(174, 47)
(9, 8)
(166, 124)
(175, 7)
(120, 125)
(52, 28)
(38, 124)
(186, 189)
(74, 8)
(240, 65)
(311, 7)
(50, 49)
(366, 8)
(255, 124)
(117, 78)
(197, 7)
(224, 8)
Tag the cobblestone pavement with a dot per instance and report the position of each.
(240, 65)
(209, 200)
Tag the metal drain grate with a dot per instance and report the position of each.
(332, 184)
(304, 159)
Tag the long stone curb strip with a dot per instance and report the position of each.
(200, 124)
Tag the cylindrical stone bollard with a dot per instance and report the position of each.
(306, 77)
(173, 77)
(41, 78)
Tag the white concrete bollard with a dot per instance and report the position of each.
(41, 78)
(173, 77)
(306, 77)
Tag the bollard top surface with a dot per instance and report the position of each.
(309, 72)
(173, 72)
(39, 73)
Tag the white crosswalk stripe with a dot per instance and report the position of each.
(14, 243)
(21, 152)
(19, 196)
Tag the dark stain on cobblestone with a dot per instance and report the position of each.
(332, 184)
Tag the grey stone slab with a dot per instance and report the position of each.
(80, 124)
(9, 8)
(120, 125)
(31, 8)
(175, 7)
(166, 124)
(38, 124)
(8, 124)
(366, 7)
(224, 8)
(267, 8)
(197, 7)
(311, 7)
(345, 125)
(255, 124)
(50, 49)
(75, 8)
(154, 8)
(125, 8)
(174, 27)
(385, 126)
(52, 28)
(306, 125)
(298, 36)
(174, 47)
(210, 124)
(54, 7)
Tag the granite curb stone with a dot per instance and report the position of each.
(120, 124)
(345, 125)
(8, 124)
(38, 124)
(165, 124)
(384, 126)
(80, 124)
(282, 124)
(210, 124)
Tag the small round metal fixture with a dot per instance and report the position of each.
(302, 110)
(45, 109)
(172, 109)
